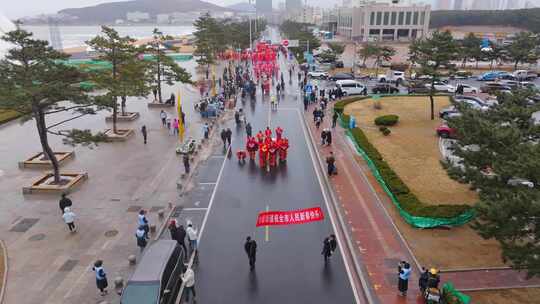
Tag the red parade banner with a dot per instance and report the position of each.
(302, 216)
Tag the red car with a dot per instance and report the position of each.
(445, 131)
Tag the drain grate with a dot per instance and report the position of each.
(134, 208)
(36, 237)
(24, 224)
(68, 265)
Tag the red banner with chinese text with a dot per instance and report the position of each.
(302, 216)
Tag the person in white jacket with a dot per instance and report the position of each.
(192, 236)
(188, 278)
(69, 219)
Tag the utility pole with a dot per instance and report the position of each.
(250, 40)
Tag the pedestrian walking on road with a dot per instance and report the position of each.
(189, 278)
(328, 137)
(331, 164)
(186, 163)
(64, 203)
(69, 219)
(323, 137)
(154, 91)
(327, 249)
(101, 277)
(251, 250)
(334, 119)
(333, 242)
(404, 272)
(144, 133)
(229, 136)
(140, 234)
(224, 138)
(163, 117)
(248, 129)
(181, 237)
(206, 130)
(192, 237)
(143, 221)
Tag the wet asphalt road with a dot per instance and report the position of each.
(290, 267)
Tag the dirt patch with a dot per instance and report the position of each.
(413, 147)
(508, 296)
(412, 151)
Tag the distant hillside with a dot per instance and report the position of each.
(242, 7)
(525, 18)
(109, 12)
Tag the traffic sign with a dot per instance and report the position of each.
(285, 43)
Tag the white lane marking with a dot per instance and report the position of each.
(203, 225)
(207, 183)
(194, 209)
(330, 214)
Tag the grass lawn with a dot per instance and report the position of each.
(6, 115)
(412, 151)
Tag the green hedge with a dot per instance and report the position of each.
(407, 200)
(386, 120)
(8, 115)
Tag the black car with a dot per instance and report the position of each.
(342, 76)
(384, 88)
(338, 64)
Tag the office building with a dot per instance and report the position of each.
(378, 22)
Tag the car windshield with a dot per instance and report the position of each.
(141, 293)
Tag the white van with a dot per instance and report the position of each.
(351, 87)
(392, 76)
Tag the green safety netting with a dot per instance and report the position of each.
(456, 297)
(416, 221)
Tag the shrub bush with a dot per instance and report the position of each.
(387, 120)
(385, 131)
(407, 200)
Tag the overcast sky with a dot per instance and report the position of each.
(19, 8)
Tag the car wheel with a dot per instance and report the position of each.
(382, 80)
(444, 134)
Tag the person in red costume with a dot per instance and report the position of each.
(251, 147)
(260, 137)
(283, 147)
(268, 132)
(279, 133)
(273, 154)
(263, 155)
(241, 154)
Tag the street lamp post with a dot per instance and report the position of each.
(250, 40)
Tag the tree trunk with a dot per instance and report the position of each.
(431, 100)
(114, 114)
(516, 64)
(47, 151)
(463, 64)
(160, 100)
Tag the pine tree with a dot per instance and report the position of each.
(523, 49)
(499, 155)
(34, 82)
(432, 54)
(163, 69)
(127, 74)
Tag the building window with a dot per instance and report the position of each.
(386, 17)
(415, 18)
(422, 18)
(400, 20)
(372, 19)
(393, 18)
(379, 18)
(408, 18)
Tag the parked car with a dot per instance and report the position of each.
(449, 112)
(445, 131)
(493, 87)
(392, 76)
(479, 101)
(525, 75)
(384, 88)
(338, 64)
(516, 181)
(462, 74)
(318, 74)
(492, 76)
(441, 87)
(467, 88)
(415, 87)
(351, 87)
(342, 76)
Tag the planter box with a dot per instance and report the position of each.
(130, 116)
(36, 162)
(43, 185)
(122, 135)
(160, 105)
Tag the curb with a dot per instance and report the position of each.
(5, 261)
(358, 268)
